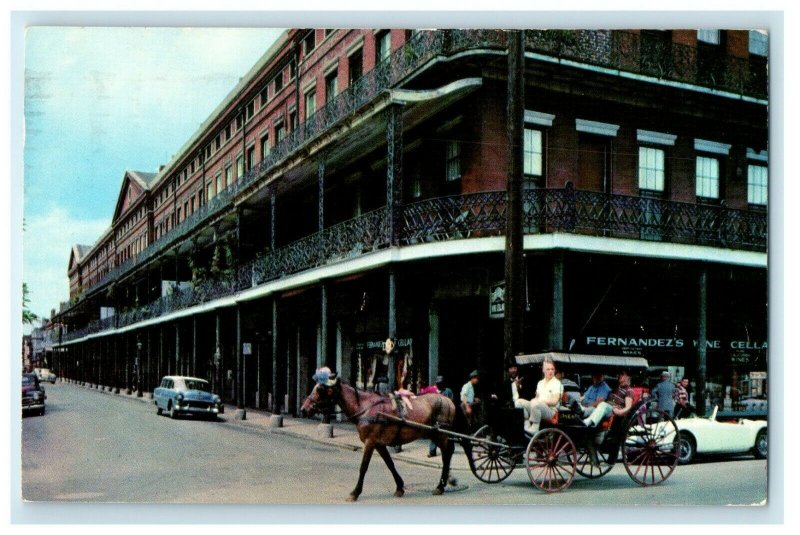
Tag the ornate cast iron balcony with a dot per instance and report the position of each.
(474, 216)
(610, 49)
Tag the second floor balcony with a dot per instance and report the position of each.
(471, 216)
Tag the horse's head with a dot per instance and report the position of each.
(321, 399)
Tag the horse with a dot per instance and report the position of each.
(369, 410)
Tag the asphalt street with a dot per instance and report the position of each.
(98, 447)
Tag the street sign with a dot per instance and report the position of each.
(247, 349)
(758, 375)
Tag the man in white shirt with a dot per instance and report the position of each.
(548, 396)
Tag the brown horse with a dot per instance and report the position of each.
(368, 411)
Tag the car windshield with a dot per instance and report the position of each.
(27, 380)
(196, 384)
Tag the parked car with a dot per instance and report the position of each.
(33, 394)
(707, 435)
(45, 375)
(178, 395)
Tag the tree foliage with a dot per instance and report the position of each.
(28, 316)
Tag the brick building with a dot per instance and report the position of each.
(352, 187)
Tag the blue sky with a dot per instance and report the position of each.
(99, 101)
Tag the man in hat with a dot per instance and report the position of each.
(662, 393)
(468, 399)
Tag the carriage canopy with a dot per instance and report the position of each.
(585, 361)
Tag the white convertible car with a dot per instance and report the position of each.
(707, 435)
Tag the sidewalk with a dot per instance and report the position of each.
(344, 433)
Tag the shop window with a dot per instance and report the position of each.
(311, 103)
(264, 95)
(757, 182)
(711, 37)
(331, 85)
(651, 169)
(532, 155)
(707, 177)
(758, 43)
(383, 46)
(453, 161)
(355, 67)
(251, 158)
(240, 166)
(309, 42)
(264, 147)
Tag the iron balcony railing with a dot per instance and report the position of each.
(473, 215)
(605, 48)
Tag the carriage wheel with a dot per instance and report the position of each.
(490, 463)
(551, 460)
(651, 447)
(591, 470)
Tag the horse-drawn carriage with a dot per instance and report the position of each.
(645, 440)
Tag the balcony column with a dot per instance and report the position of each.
(272, 220)
(321, 194)
(392, 325)
(217, 355)
(193, 371)
(115, 366)
(177, 348)
(394, 171)
(556, 334)
(238, 244)
(161, 351)
(514, 295)
(241, 413)
(702, 337)
(149, 374)
(276, 404)
(322, 355)
(127, 365)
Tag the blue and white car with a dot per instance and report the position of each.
(179, 395)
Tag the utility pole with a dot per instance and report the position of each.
(515, 109)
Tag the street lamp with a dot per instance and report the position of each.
(138, 367)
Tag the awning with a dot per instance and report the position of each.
(580, 359)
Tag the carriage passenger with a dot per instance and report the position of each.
(548, 396)
(619, 402)
(596, 394)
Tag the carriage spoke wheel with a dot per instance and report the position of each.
(551, 459)
(490, 463)
(651, 448)
(598, 468)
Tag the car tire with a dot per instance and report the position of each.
(760, 447)
(159, 410)
(687, 448)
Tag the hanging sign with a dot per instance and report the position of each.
(497, 300)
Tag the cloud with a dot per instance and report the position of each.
(47, 242)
